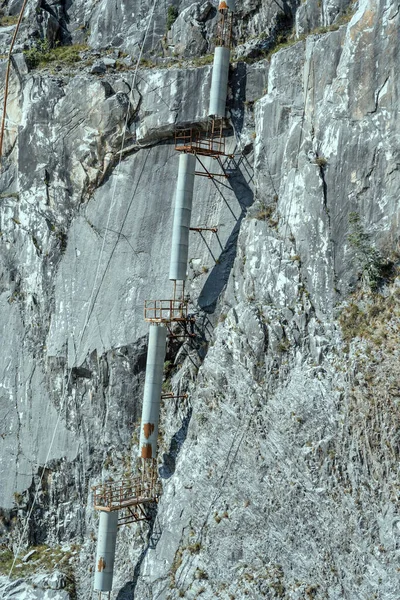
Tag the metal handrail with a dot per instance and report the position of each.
(211, 142)
(165, 310)
(113, 495)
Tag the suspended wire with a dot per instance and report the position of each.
(7, 79)
(92, 298)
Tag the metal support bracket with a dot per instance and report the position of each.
(200, 229)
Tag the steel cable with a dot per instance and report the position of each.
(92, 296)
(7, 79)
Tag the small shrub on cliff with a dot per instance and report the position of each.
(369, 316)
(368, 258)
(194, 548)
(321, 161)
(172, 15)
(201, 61)
(265, 212)
(42, 54)
(200, 574)
(8, 20)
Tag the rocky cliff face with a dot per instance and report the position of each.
(279, 470)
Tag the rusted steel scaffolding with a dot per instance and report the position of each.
(224, 27)
(173, 310)
(171, 396)
(169, 312)
(210, 142)
(165, 311)
(204, 143)
(201, 229)
(129, 501)
(130, 496)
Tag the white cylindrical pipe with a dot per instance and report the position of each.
(105, 554)
(182, 215)
(219, 82)
(152, 391)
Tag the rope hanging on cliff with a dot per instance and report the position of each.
(92, 299)
(7, 79)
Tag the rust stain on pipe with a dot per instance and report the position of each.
(147, 451)
(102, 565)
(148, 429)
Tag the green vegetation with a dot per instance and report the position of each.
(321, 162)
(369, 320)
(8, 195)
(286, 37)
(194, 548)
(18, 498)
(218, 518)
(369, 260)
(42, 55)
(283, 346)
(282, 41)
(268, 212)
(7, 20)
(147, 63)
(201, 61)
(201, 418)
(108, 463)
(176, 563)
(6, 560)
(172, 15)
(201, 574)
(121, 66)
(166, 387)
(44, 559)
(265, 212)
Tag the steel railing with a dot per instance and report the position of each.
(208, 143)
(165, 311)
(116, 495)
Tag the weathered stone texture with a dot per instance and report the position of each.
(280, 468)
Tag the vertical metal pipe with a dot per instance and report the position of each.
(219, 82)
(105, 554)
(152, 391)
(182, 215)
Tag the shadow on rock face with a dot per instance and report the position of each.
(238, 84)
(167, 469)
(128, 591)
(240, 179)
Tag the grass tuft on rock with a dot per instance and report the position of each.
(42, 55)
(7, 20)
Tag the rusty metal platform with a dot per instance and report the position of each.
(210, 142)
(130, 496)
(165, 311)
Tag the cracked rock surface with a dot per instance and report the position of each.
(280, 466)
